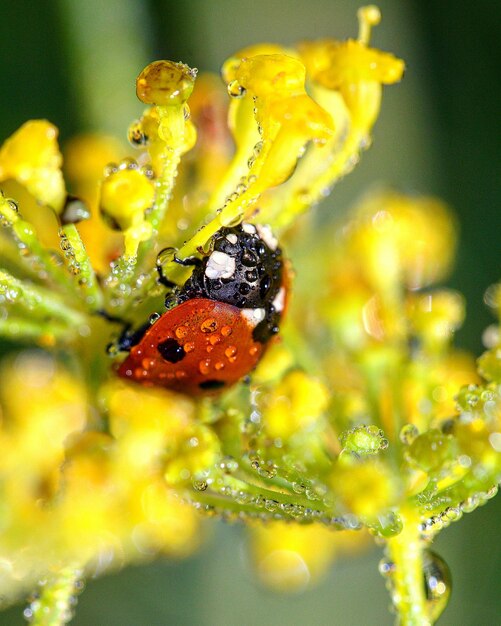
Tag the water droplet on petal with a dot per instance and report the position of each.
(235, 89)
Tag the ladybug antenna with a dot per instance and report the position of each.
(168, 255)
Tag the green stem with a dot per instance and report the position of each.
(405, 550)
(81, 267)
(54, 606)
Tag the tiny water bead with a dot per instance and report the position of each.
(136, 135)
(438, 583)
(408, 434)
(236, 90)
(209, 325)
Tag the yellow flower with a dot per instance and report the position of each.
(31, 156)
(349, 422)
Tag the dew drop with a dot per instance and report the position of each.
(165, 256)
(226, 331)
(136, 135)
(209, 325)
(235, 89)
(74, 211)
(437, 581)
(110, 169)
(230, 353)
(181, 332)
(408, 433)
(189, 346)
(386, 568)
(204, 367)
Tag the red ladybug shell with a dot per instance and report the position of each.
(197, 347)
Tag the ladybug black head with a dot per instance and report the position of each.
(244, 269)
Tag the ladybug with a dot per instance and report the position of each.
(222, 321)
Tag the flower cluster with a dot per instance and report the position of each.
(349, 422)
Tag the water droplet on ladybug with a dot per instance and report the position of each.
(226, 331)
(209, 325)
(204, 367)
(248, 259)
(230, 353)
(181, 332)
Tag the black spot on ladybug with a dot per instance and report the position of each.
(171, 351)
(211, 384)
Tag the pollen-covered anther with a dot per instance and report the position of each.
(220, 265)
(165, 83)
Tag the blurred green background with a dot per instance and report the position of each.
(74, 63)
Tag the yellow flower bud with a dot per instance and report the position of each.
(435, 316)
(354, 69)
(31, 156)
(125, 196)
(399, 238)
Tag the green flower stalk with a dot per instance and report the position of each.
(362, 420)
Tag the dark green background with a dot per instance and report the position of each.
(439, 133)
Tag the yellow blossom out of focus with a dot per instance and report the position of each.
(85, 158)
(31, 156)
(294, 404)
(46, 451)
(289, 558)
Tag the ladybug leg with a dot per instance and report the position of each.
(130, 337)
(163, 280)
(111, 318)
(190, 261)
